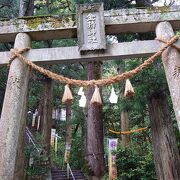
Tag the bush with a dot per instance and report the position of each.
(134, 164)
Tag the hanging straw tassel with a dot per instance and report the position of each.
(96, 98)
(129, 90)
(67, 96)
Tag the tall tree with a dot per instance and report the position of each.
(125, 127)
(46, 114)
(26, 8)
(68, 130)
(124, 114)
(94, 139)
(166, 154)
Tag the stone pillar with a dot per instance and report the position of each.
(171, 59)
(13, 115)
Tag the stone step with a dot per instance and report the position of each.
(58, 174)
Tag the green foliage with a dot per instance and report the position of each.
(77, 150)
(136, 161)
(35, 92)
(57, 7)
(8, 9)
(37, 156)
(133, 164)
(76, 155)
(57, 158)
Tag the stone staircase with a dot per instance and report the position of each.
(58, 174)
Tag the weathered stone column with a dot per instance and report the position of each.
(171, 59)
(13, 115)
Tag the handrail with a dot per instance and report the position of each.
(69, 169)
(30, 136)
(58, 136)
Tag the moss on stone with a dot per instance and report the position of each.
(55, 22)
(162, 9)
(33, 23)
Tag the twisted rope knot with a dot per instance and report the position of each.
(168, 42)
(14, 56)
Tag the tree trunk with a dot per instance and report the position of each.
(124, 114)
(94, 139)
(46, 114)
(125, 127)
(166, 155)
(69, 126)
(26, 8)
(68, 131)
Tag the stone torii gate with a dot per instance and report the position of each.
(24, 30)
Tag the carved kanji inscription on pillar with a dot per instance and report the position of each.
(91, 33)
